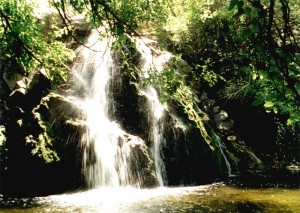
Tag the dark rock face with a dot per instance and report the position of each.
(127, 106)
(38, 134)
(275, 144)
(184, 152)
(238, 153)
(45, 136)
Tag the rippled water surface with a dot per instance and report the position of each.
(208, 198)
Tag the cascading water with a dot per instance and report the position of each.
(106, 153)
(221, 147)
(156, 109)
(156, 118)
(107, 157)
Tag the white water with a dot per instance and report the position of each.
(106, 154)
(154, 62)
(156, 119)
(208, 198)
(221, 146)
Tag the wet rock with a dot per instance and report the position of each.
(216, 109)
(17, 99)
(21, 83)
(203, 96)
(221, 116)
(141, 164)
(225, 125)
(11, 79)
(208, 104)
(39, 86)
(255, 162)
(28, 93)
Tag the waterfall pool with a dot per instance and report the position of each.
(216, 197)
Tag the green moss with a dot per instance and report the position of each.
(173, 85)
(185, 97)
(42, 147)
(42, 142)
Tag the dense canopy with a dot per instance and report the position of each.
(250, 47)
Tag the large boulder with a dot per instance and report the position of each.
(141, 167)
(42, 148)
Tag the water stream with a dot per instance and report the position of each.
(106, 158)
(221, 149)
(216, 197)
(156, 118)
(153, 62)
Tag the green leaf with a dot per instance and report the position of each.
(254, 76)
(240, 12)
(232, 4)
(246, 34)
(268, 104)
(261, 77)
(257, 102)
(290, 121)
(248, 10)
(255, 29)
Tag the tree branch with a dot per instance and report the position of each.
(24, 46)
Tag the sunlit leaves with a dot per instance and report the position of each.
(30, 43)
(263, 56)
(268, 104)
(120, 15)
(172, 86)
(19, 30)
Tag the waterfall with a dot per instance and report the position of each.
(154, 62)
(221, 147)
(156, 119)
(106, 151)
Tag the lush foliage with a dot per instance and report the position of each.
(252, 45)
(172, 85)
(127, 58)
(116, 16)
(269, 54)
(24, 46)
